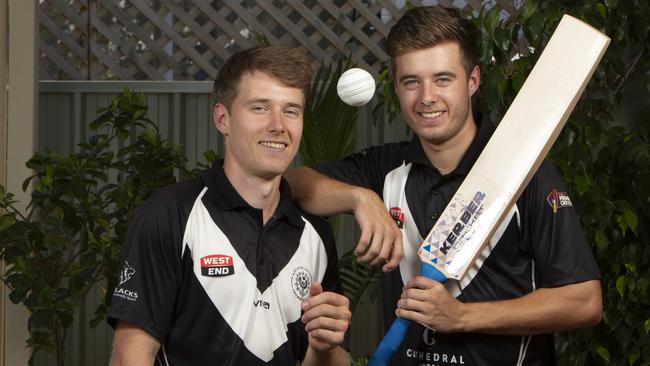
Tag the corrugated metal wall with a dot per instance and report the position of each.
(183, 112)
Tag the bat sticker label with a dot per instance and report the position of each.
(467, 217)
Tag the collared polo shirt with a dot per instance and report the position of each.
(214, 285)
(541, 245)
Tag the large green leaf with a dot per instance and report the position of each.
(329, 131)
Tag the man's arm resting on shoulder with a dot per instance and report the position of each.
(544, 310)
(323, 196)
(380, 242)
(132, 346)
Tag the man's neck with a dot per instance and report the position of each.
(258, 192)
(447, 155)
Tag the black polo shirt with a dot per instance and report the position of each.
(215, 286)
(541, 245)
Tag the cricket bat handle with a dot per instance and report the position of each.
(395, 335)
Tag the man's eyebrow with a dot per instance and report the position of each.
(438, 74)
(268, 101)
(258, 100)
(295, 105)
(445, 73)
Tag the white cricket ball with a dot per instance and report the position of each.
(356, 87)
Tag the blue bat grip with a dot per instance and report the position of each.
(395, 335)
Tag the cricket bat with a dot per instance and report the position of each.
(509, 160)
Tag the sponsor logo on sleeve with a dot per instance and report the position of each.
(398, 216)
(558, 200)
(300, 283)
(217, 265)
(126, 274)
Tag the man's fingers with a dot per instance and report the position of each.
(315, 289)
(396, 254)
(423, 283)
(329, 298)
(364, 241)
(327, 311)
(412, 305)
(384, 251)
(415, 294)
(374, 249)
(322, 322)
(327, 336)
(411, 315)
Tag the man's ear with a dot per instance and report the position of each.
(474, 80)
(221, 118)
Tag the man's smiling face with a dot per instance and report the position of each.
(435, 91)
(263, 126)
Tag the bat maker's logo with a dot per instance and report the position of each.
(472, 210)
(558, 200)
(398, 216)
(300, 282)
(126, 272)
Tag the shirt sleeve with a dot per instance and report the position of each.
(330, 280)
(366, 168)
(559, 247)
(150, 272)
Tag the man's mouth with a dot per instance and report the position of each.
(273, 144)
(431, 114)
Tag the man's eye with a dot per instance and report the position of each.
(258, 108)
(443, 80)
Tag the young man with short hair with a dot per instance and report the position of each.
(537, 275)
(224, 269)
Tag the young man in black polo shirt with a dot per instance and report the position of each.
(537, 275)
(224, 269)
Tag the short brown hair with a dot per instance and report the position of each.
(428, 26)
(289, 65)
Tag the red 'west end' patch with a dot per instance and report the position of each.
(398, 216)
(217, 265)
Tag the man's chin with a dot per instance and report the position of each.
(270, 173)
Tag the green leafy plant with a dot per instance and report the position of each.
(69, 239)
(330, 126)
(606, 167)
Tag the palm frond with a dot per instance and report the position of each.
(329, 131)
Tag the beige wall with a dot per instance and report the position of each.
(20, 142)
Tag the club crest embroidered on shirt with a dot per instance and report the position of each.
(300, 283)
(217, 265)
(398, 216)
(558, 200)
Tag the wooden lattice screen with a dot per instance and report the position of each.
(189, 40)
